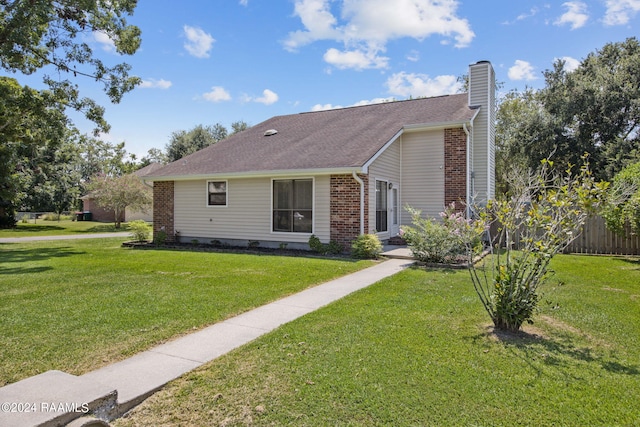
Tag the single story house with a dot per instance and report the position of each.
(335, 173)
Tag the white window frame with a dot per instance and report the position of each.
(226, 197)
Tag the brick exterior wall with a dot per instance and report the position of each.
(345, 208)
(98, 213)
(163, 209)
(455, 167)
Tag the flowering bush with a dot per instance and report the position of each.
(450, 240)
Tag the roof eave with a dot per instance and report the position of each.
(259, 174)
(439, 125)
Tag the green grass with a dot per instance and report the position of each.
(58, 228)
(77, 305)
(418, 349)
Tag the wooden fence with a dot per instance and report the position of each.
(597, 239)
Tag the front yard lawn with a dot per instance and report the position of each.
(417, 349)
(57, 228)
(81, 304)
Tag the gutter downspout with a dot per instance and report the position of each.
(361, 182)
(469, 168)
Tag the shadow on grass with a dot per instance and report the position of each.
(533, 347)
(11, 259)
(240, 250)
(103, 228)
(36, 228)
(634, 261)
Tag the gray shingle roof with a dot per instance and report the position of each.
(331, 139)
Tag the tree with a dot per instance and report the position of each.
(101, 157)
(54, 182)
(599, 105)
(49, 34)
(239, 126)
(183, 143)
(118, 193)
(593, 109)
(31, 122)
(623, 201)
(525, 134)
(154, 155)
(542, 215)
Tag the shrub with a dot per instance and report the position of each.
(431, 241)
(334, 247)
(140, 230)
(366, 246)
(160, 238)
(315, 244)
(547, 211)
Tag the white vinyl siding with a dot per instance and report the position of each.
(482, 93)
(385, 168)
(422, 173)
(247, 215)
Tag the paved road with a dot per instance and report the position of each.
(63, 237)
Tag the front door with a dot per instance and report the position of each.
(394, 228)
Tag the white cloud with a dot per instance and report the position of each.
(244, 2)
(522, 70)
(355, 59)
(413, 56)
(154, 83)
(418, 85)
(619, 12)
(217, 94)
(570, 64)
(324, 107)
(576, 15)
(365, 27)
(268, 97)
(104, 41)
(198, 42)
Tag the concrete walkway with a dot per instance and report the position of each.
(55, 398)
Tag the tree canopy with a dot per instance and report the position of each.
(182, 143)
(119, 192)
(593, 109)
(46, 34)
(51, 36)
(623, 207)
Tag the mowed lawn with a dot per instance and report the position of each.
(417, 349)
(58, 228)
(76, 305)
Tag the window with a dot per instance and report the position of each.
(217, 193)
(381, 206)
(293, 205)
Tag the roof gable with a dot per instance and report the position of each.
(331, 139)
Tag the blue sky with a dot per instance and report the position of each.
(220, 61)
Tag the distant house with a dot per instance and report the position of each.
(336, 173)
(98, 213)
